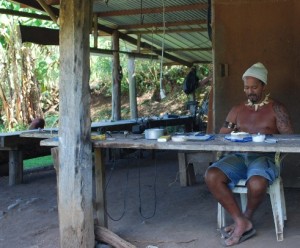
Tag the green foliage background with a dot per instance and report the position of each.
(46, 70)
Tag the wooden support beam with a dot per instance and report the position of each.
(100, 202)
(132, 88)
(15, 167)
(116, 90)
(95, 30)
(48, 10)
(75, 192)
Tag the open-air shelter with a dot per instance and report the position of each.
(231, 34)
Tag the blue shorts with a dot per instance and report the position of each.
(238, 166)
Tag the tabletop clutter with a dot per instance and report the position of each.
(160, 135)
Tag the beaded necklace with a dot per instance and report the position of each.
(257, 105)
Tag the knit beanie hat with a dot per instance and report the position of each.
(258, 71)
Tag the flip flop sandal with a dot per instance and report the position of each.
(246, 235)
(225, 234)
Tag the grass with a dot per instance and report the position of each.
(38, 162)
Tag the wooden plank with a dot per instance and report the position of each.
(108, 237)
(76, 223)
(15, 167)
(132, 88)
(116, 87)
(286, 143)
(100, 203)
(182, 169)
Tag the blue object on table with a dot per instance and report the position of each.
(237, 139)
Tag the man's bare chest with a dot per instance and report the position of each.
(263, 120)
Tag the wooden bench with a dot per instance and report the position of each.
(186, 161)
(13, 150)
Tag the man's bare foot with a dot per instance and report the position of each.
(227, 231)
(234, 240)
(240, 232)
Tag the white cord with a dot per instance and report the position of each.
(162, 92)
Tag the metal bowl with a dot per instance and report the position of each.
(154, 133)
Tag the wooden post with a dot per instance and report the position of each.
(132, 88)
(182, 169)
(100, 203)
(75, 206)
(15, 167)
(116, 87)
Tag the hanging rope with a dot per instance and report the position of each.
(162, 92)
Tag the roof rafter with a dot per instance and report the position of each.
(169, 31)
(159, 24)
(144, 45)
(177, 8)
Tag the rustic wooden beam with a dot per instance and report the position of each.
(144, 45)
(132, 87)
(75, 151)
(35, 5)
(177, 8)
(52, 2)
(100, 201)
(15, 167)
(48, 10)
(116, 87)
(107, 236)
(24, 14)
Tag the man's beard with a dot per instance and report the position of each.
(253, 98)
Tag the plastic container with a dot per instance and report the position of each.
(258, 138)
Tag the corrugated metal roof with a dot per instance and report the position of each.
(181, 25)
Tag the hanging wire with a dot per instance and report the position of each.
(125, 191)
(154, 191)
(162, 92)
(142, 16)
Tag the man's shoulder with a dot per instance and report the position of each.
(239, 106)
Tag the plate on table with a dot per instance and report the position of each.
(179, 138)
(203, 137)
(237, 138)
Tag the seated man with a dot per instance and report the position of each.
(259, 114)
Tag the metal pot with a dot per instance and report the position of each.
(154, 133)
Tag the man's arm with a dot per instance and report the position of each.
(230, 124)
(283, 120)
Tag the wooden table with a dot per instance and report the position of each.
(285, 144)
(18, 148)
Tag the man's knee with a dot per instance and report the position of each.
(213, 175)
(257, 184)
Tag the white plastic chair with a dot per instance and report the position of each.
(276, 192)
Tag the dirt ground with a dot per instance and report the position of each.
(147, 203)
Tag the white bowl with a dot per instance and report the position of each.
(258, 138)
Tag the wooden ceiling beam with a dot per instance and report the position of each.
(197, 6)
(144, 45)
(24, 14)
(35, 5)
(160, 24)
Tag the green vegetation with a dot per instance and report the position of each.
(38, 162)
(29, 77)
